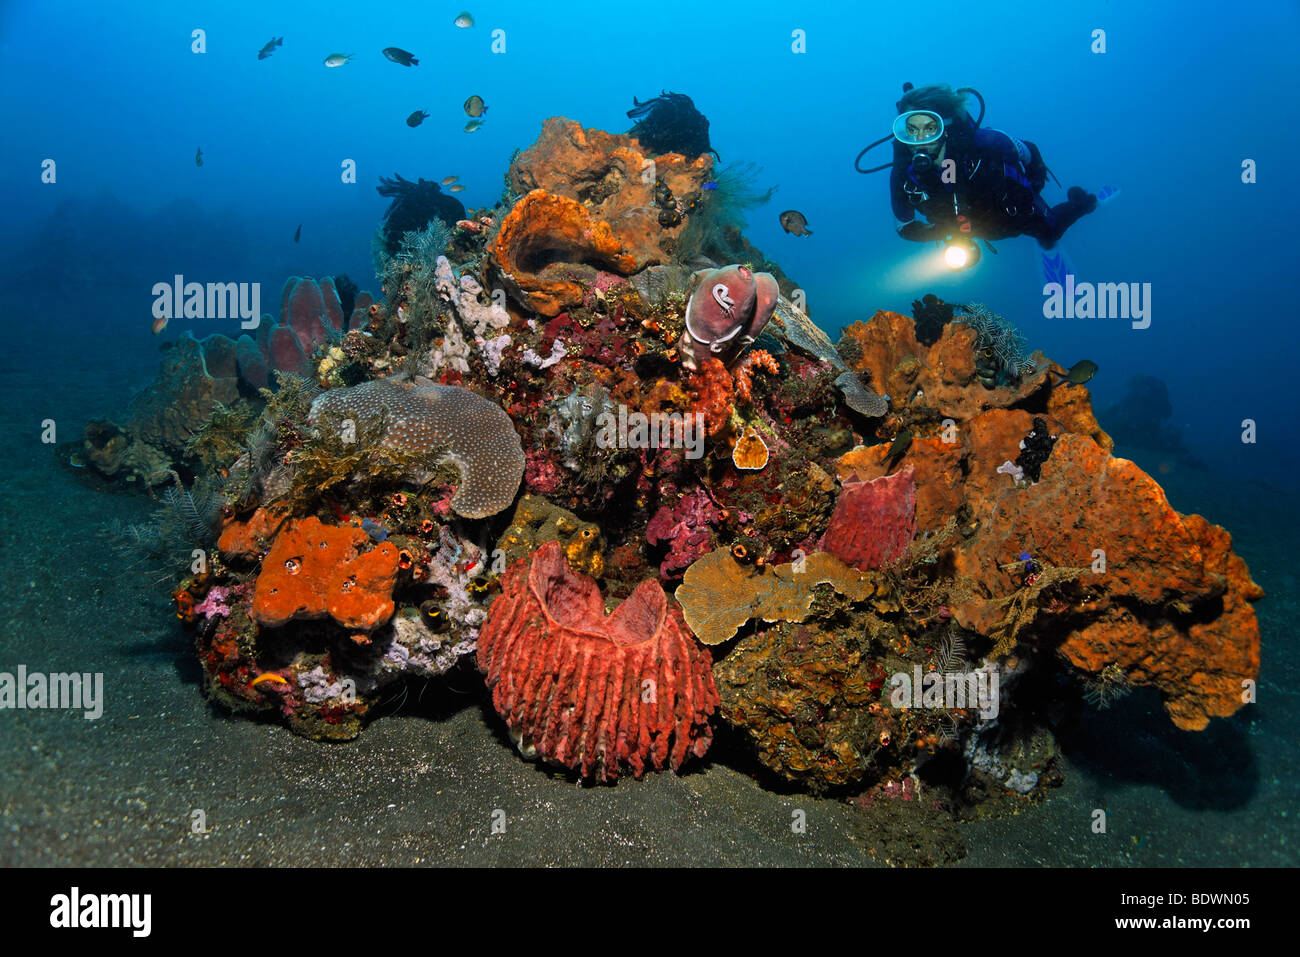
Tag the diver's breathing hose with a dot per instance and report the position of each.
(857, 163)
(970, 89)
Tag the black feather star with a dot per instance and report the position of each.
(670, 123)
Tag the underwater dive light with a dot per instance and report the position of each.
(960, 253)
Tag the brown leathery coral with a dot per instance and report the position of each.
(718, 594)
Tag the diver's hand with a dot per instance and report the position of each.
(919, 232)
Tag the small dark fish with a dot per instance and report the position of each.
(448, 180)
(474, 106)
(198, 157)
(902, 442)
(337, 59)
(433, 616)
(1080, 372)
(416, 118)
(267, 50)
(297, 233)
(473, 125)
(709, 186)
(374, 530)
(166, 346)
(464, 21)
(398, 55)
(793, 221)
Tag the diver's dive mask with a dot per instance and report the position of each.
(917, 129)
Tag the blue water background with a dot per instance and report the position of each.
(1183, 94)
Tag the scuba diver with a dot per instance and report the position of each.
(968, 182)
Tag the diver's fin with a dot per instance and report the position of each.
(1056, 266)
(1106, 194)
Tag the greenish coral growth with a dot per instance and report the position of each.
(343, 458)
(222, 439)
(292, 398)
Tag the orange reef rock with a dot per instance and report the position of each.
(541, 236)
(885, 352)
(1158, 594)
(247, 538)
(320, 571)
(606, 172)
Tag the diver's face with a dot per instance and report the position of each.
(922, 126)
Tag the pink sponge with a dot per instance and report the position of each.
(873, 522)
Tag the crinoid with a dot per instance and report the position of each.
(1103, 689)
(192, 514)
(670, 123)
(952, 651)
(720, 216)
(997, 336)
(186, 519)
(408, 273)
(426, 245)
(414, 206)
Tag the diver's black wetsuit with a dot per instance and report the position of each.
(997, 182)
